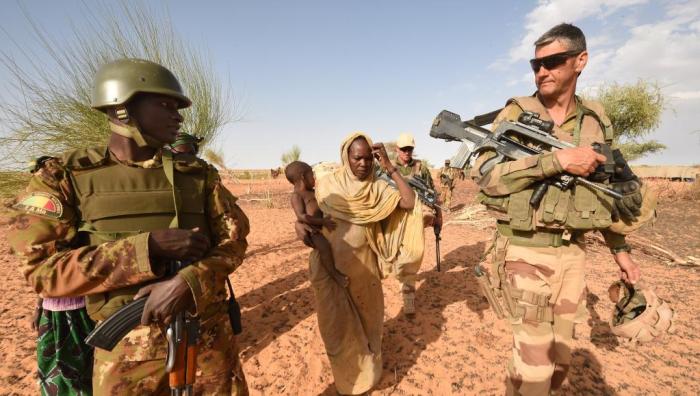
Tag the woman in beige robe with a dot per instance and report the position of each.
(377, 227)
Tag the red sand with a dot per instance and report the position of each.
(454, 345)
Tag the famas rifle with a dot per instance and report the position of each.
(507, 144)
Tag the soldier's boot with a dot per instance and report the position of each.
(409, 299)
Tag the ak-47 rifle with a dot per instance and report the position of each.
(181, 361)
(429, 197)
(181, 334)
(475, 140)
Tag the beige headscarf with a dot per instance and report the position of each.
(394, 234)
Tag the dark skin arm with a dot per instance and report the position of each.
(304, 233)
(300, 211)
(408, 197)
(168, 297)
(37, 314)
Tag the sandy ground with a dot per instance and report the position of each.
(454, 345)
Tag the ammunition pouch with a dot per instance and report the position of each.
(579, 208)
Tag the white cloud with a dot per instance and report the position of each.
(666, 50)
(659, 42)
(686, 95)
(552, 12)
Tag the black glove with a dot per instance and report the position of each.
(627, 208)
(623, 172)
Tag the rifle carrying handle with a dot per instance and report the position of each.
(110, 331)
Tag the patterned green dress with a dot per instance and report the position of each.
(65, 361)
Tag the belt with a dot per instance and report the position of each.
(538, 238)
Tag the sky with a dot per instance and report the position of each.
(308, 73)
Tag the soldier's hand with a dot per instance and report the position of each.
(437, 222)
(379, 152)
(628, 208)
(165, 299)
(579, 161)
(178, 244)
(629, 270)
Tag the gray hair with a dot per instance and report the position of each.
(571, 36)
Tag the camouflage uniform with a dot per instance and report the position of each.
(61, 256)
(537, 257)
(447, 183)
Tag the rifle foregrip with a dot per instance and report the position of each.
(110, 331)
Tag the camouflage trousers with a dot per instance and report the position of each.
(136, 366)
(446, 197)
(546, 286)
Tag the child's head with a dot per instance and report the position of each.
(299, 171)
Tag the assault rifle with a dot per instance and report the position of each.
(424, 193)
(181, 335)
(529, 127)
(428, 196)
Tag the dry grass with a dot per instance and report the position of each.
(475, 215)
(670, 191)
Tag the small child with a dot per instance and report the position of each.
(307, 211)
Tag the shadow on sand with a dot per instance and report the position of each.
(601, 336)
(404, 338)
(272, 310)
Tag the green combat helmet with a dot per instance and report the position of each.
(117, 82)
(639, 314)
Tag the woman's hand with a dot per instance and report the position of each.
(329, 223)
(379, 152)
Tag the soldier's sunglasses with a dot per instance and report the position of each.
(552, 61)
(407, 149)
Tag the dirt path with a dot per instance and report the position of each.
(453, 346)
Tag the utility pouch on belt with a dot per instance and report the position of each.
(522, 305)
(486, 288)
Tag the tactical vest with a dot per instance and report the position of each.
(578, 208)
(408, 171)
(115, 201)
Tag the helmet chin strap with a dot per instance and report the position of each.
(130, 130)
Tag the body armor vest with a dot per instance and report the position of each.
(115, 201)
(578, 208)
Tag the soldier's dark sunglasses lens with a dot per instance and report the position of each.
(406, 149)
(551, 62)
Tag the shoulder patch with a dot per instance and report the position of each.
(42, 204)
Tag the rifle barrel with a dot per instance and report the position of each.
(598, 187)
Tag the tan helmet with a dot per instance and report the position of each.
(639, 314)
(118, 81)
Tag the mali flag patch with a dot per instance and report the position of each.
(41, 204)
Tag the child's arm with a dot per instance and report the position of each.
(303, 217)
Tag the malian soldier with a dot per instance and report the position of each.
(448, 176)
(538, 255)
(98, 222)
(408, 167)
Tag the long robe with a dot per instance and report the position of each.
(373, 235)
